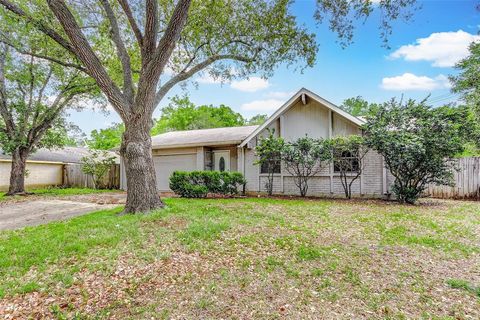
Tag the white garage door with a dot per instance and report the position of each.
(166, 164)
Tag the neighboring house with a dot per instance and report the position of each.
(44, 167)
(233, 149)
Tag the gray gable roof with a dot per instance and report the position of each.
(65, 155)
(203, 137)
(300, 95)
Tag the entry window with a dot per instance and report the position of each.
(221, 164)
(221, 160)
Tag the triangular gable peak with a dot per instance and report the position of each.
(302, 95)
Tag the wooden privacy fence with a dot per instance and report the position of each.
(467, 181)
(74, 177)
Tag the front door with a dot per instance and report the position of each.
(222, 160)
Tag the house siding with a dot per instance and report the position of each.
(310, 119)
(251, 171)
(343, 127)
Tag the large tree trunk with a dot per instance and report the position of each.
(136, 150)
(17, 173)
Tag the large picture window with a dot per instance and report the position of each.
(347, 163)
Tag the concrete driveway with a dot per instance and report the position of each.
(39, 211)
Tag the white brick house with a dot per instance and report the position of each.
(233, 149)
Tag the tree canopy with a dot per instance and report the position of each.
(467, 82)
(182, 114)
(357, 106)
(415, 141)
(343, 15)
(33, 98)
(107, 138)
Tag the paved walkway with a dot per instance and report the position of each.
(30, 213)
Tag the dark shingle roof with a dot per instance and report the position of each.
(66, 155)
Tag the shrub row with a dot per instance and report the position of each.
(197, 184)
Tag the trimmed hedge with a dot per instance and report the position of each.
(197, 184)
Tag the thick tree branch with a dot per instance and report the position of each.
(121, 52)
(151, 29)
(150, 73)
(170, 37)
(84, 52)
(131, 20)
(186, 74)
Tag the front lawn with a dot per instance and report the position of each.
(250, 259)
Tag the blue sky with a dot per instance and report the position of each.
(421, 56)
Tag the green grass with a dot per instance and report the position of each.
(198, 256)
(464, 285)
(67, 191)
(56, 191)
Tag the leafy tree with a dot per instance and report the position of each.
(269, 153)
(343, 15)
(304, 158)
(357, 106)
(127, 48)
(259, 119)
(417, 142)
(108, 138)
(182, 114)
(97, 164)
(467, 82)
(33, 96)
(75, 136)
(348, 159)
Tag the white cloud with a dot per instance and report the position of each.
(279, 94)
(250, 85)
(443, 49)
(409, 81)
(267, 105)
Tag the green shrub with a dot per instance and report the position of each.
(231, 181)
(197, 184)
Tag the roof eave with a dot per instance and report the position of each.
(199, 144)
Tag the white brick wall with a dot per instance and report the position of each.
(338, 187)
(317, 186)
(277, 184)
(372, 184)
(372, 174)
